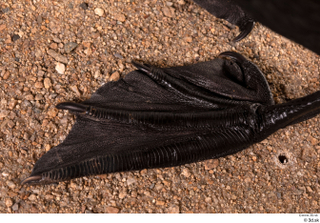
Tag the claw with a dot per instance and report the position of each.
(73, 107)
(245, 30)
(141, 67)
(32, 179)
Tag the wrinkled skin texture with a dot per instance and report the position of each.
(171, 116)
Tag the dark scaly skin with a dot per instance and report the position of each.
(115, 136)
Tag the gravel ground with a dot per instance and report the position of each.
(54, 51)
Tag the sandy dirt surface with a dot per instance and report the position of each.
(91, 44)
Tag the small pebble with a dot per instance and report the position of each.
(41, 73)
(12, 104)
(47, 147)
(15, 207)
(60, 68)
(68, 47)
(36, 191)
(99, 11)
(56, 39)
(74, 88)
(169, 4)
(54, 46)
(57, 56)
(38, 84)
(73, 185)
(52, 112)
(3, 113)
(188, 39)
(174, 209)
(112, 210)
(313, 141)
(97, 74)
(120, 17)
(5, 10)
(278, 195)
(32, 197)
(122, 194)
(3, 26)
(15, 37)
(11, 184)
(130, 181)
(47, 83)
(39, 20)
(10, 125)
(38, 97)
(186, 172)
(48, 197)
(160, 203)
(211, 164)
(133, 194)
(168, 11)
(115, 76)
(6, 75)
(118, 55)
(8, 202)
